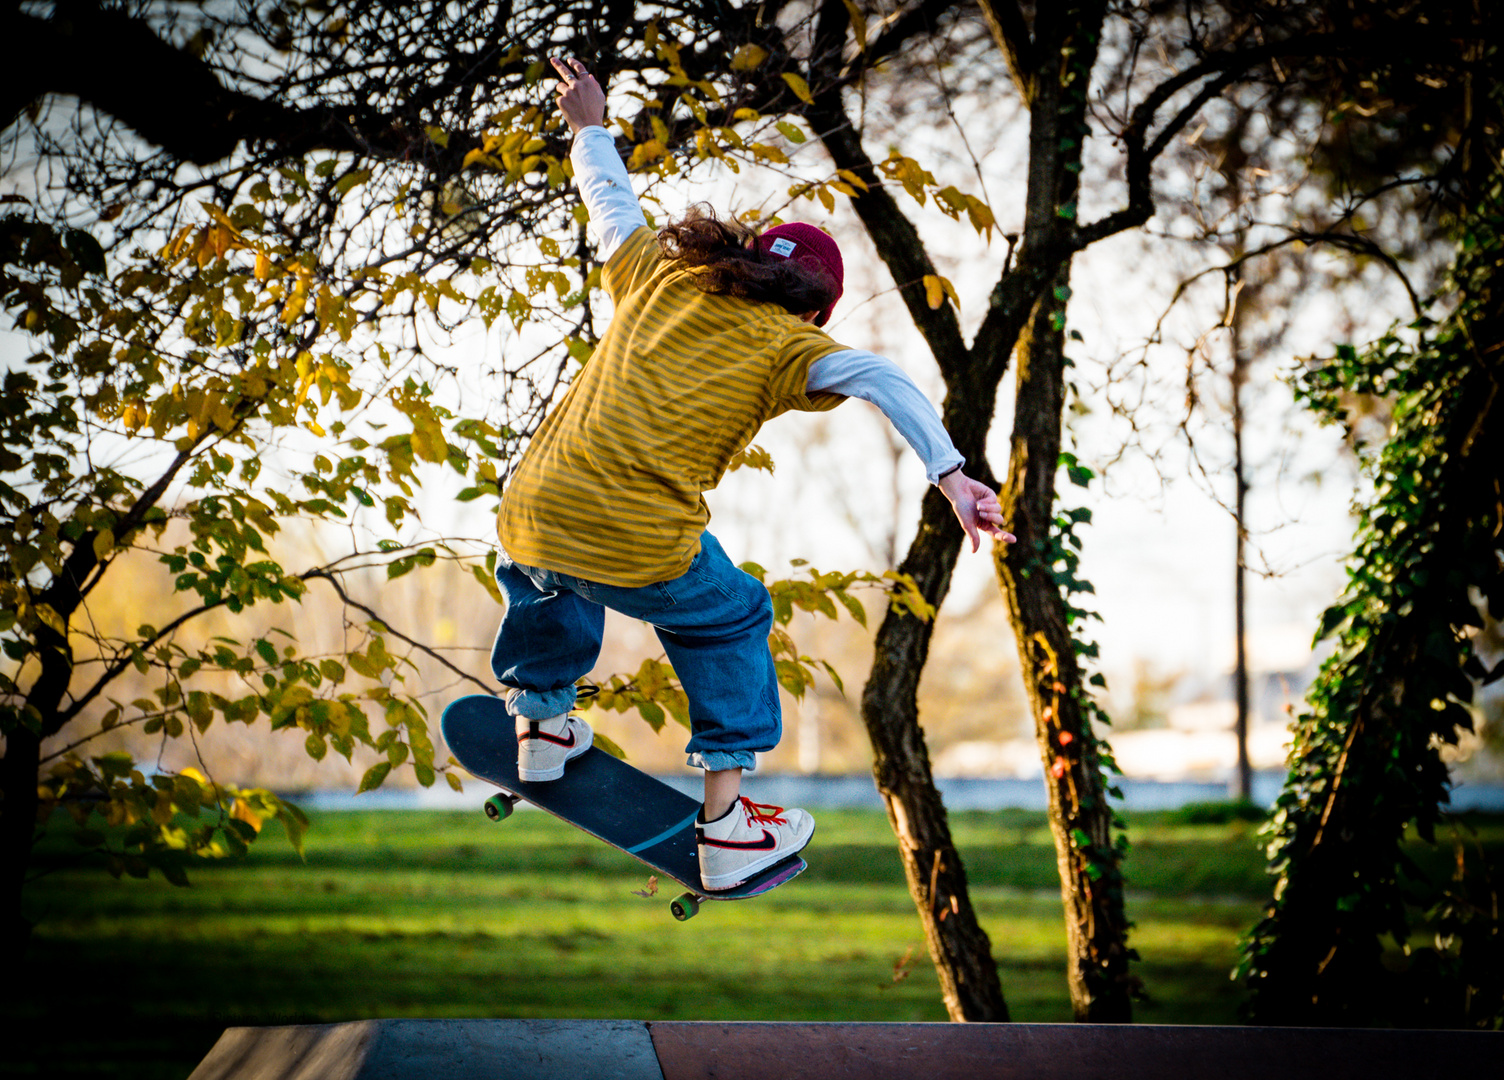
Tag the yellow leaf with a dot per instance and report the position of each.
(295, 303)
(133, 415)
(220, 216)
(645, 154)
(438, 136)
(934, 291)
(50, 618)
(477, 155)
(241, 810)
(104, 543)
(263, 265)
(852, 178)
(980, 214)
(858, 24)
(799, 87)
(749, 57)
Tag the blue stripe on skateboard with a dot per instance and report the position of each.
(661, 837)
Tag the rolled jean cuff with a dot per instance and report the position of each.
(721, 760)
(540, 704)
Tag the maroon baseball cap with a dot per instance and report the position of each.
(811, 244)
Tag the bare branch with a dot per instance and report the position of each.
(426, 650)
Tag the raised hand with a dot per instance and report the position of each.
(581, 99)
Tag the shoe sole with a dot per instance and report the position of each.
(538, 776)
(742, 873)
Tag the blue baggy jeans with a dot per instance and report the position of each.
(713, 622)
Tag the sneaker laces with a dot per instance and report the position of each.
(762, 813)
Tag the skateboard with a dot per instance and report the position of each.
(603, 796)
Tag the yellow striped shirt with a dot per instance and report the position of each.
(610, 487)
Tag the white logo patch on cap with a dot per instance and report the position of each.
(782, 246)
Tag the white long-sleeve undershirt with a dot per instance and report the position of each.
(615, 214)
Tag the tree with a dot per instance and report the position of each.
(1366, 764)
(235, 264)
(1367, 772)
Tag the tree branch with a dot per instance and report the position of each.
(427, 650)
(1228, 68)
(895, 236)
(1006, 22)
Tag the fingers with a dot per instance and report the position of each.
(978, 510)
(569, 70)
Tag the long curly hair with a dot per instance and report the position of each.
(724, 257)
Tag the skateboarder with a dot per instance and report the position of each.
(715, 331)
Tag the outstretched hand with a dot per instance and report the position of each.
(976, 507)
(581, 99)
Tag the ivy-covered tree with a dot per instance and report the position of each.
(1367, 775)
(1367, 772)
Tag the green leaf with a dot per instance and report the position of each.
(653, 713)
(374, 776)
(86, 251)
(790, 131)
(609, 746)
(353, 179)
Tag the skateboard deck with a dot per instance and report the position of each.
(603, 796)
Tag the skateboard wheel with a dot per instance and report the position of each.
(499, 807)
(685, 906)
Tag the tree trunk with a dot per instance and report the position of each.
(1243, 783)
(960, 948)
(1052, 67)
(1080, 816)
(19, 770)
(1063, 53)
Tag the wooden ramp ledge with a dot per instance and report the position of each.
(635, 1050)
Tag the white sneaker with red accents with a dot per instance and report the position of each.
(543, 746)
(747, 838)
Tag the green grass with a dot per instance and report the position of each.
(430, 914)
